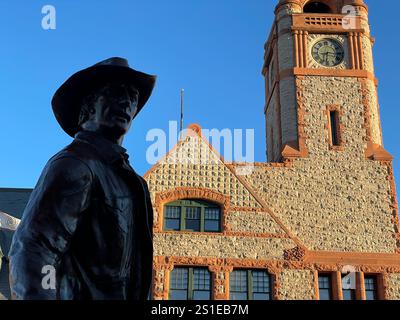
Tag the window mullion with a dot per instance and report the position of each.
(183, 218)
(190, 284)
(202, 218)
(249, 286)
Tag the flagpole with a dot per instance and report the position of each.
(181, 122)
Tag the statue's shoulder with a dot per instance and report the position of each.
(68, 169)
(77, 149)
(76, 155)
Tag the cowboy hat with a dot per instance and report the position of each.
(67, 100)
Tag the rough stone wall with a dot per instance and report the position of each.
(296, 285)
(256, 222)
(367, 54)
(356, 216)
(287, 85)
(285, 51)
(272, 128)
(193, 245)
(288, 110)
(371, 95)
(273, 132)
(393, 286)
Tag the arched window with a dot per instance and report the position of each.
(316, 7)
(192, 215)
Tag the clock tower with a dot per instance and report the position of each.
(321, 89)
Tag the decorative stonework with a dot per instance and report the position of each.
(294, 254)
(161, 268)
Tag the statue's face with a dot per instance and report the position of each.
(112, 109)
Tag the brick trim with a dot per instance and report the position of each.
(227, 233)
(165, 197)
(394, 205)
(367, 115)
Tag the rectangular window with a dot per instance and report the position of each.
(349, 294)
(202, 284)
(261, 285)
(172, 218)
(348, 286)
(192, 215)
(190, 284)
(370, 288)
(250, 285)
(193, 218)
(179, 284)
(334, 124)
(212, 220)
(238, 285)
(324, 287)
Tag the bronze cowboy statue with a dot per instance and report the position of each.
(88, 222)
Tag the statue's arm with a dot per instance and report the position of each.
(148, 263)
(50, 219)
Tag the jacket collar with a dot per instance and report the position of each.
(111, 152)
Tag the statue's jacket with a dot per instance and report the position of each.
(86, 232)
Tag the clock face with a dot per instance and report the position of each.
(328, 52)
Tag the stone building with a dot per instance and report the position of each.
(319, 220)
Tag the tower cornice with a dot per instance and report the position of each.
(336, 5)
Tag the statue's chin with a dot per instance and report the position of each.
(111, 131)
(115, 132)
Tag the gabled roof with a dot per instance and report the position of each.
(185, 150)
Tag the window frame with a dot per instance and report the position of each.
(330, 277)
(335, 128)
(376, 290)
(190, 282)
(250, 284)
(191, 203)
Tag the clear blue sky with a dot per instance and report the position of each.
(212, 48)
